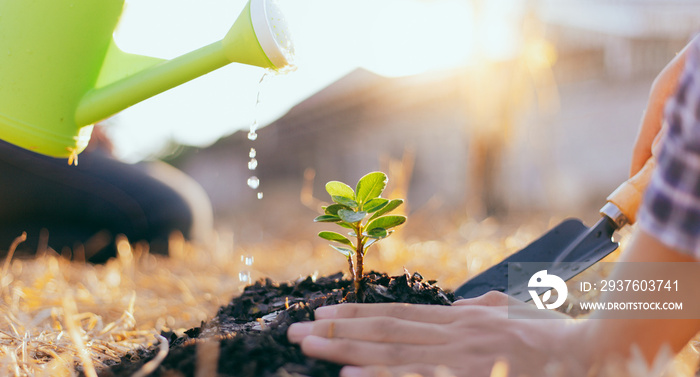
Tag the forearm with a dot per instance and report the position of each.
(664, 86)
(615, 337)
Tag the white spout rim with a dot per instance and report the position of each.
(260, 18)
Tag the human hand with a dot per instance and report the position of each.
(468, 338)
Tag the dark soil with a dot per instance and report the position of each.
(251, 330)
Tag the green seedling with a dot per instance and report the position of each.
(365, 213)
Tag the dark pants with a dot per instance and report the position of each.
(89, 204)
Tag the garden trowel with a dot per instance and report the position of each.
(567, 249)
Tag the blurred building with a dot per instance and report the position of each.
(634, 36)
(554, 138)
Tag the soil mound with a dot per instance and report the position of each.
(251, 330)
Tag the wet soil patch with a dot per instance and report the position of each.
(250, 332)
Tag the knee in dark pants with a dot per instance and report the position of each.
(89, 204)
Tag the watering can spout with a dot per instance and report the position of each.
(48, 104)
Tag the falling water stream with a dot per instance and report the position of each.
(253, 181)
(244, 275)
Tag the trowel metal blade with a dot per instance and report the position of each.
(570, 241)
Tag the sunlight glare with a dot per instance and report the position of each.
(331, 37)
(407, 37)
(498, 24)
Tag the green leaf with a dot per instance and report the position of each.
(386, 222)
(344, 250)
(333, 236)
(375, 205)
(346, 225)
(336, 188)
(387, 208)
(378, 233)
(333, 209)
(370, 186)
(345, 201)
(327, 219)
(350, 216)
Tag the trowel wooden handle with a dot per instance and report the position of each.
(629, 194)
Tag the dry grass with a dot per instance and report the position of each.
(56, 314)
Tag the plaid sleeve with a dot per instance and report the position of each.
(670, 210)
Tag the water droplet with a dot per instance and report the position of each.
(260, 195)
(252, 135)
(253, 182)
(244, 276)
(248, 260)
(252, 164)
(254, 125)
(252, 153)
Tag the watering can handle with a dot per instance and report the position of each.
(126, 79)
(628, 195)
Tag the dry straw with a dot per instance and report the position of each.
(56, 314)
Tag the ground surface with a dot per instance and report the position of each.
(57, 314)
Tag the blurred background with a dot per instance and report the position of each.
(502, 110)
(494, 119)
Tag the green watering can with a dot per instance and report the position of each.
(61, 72)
